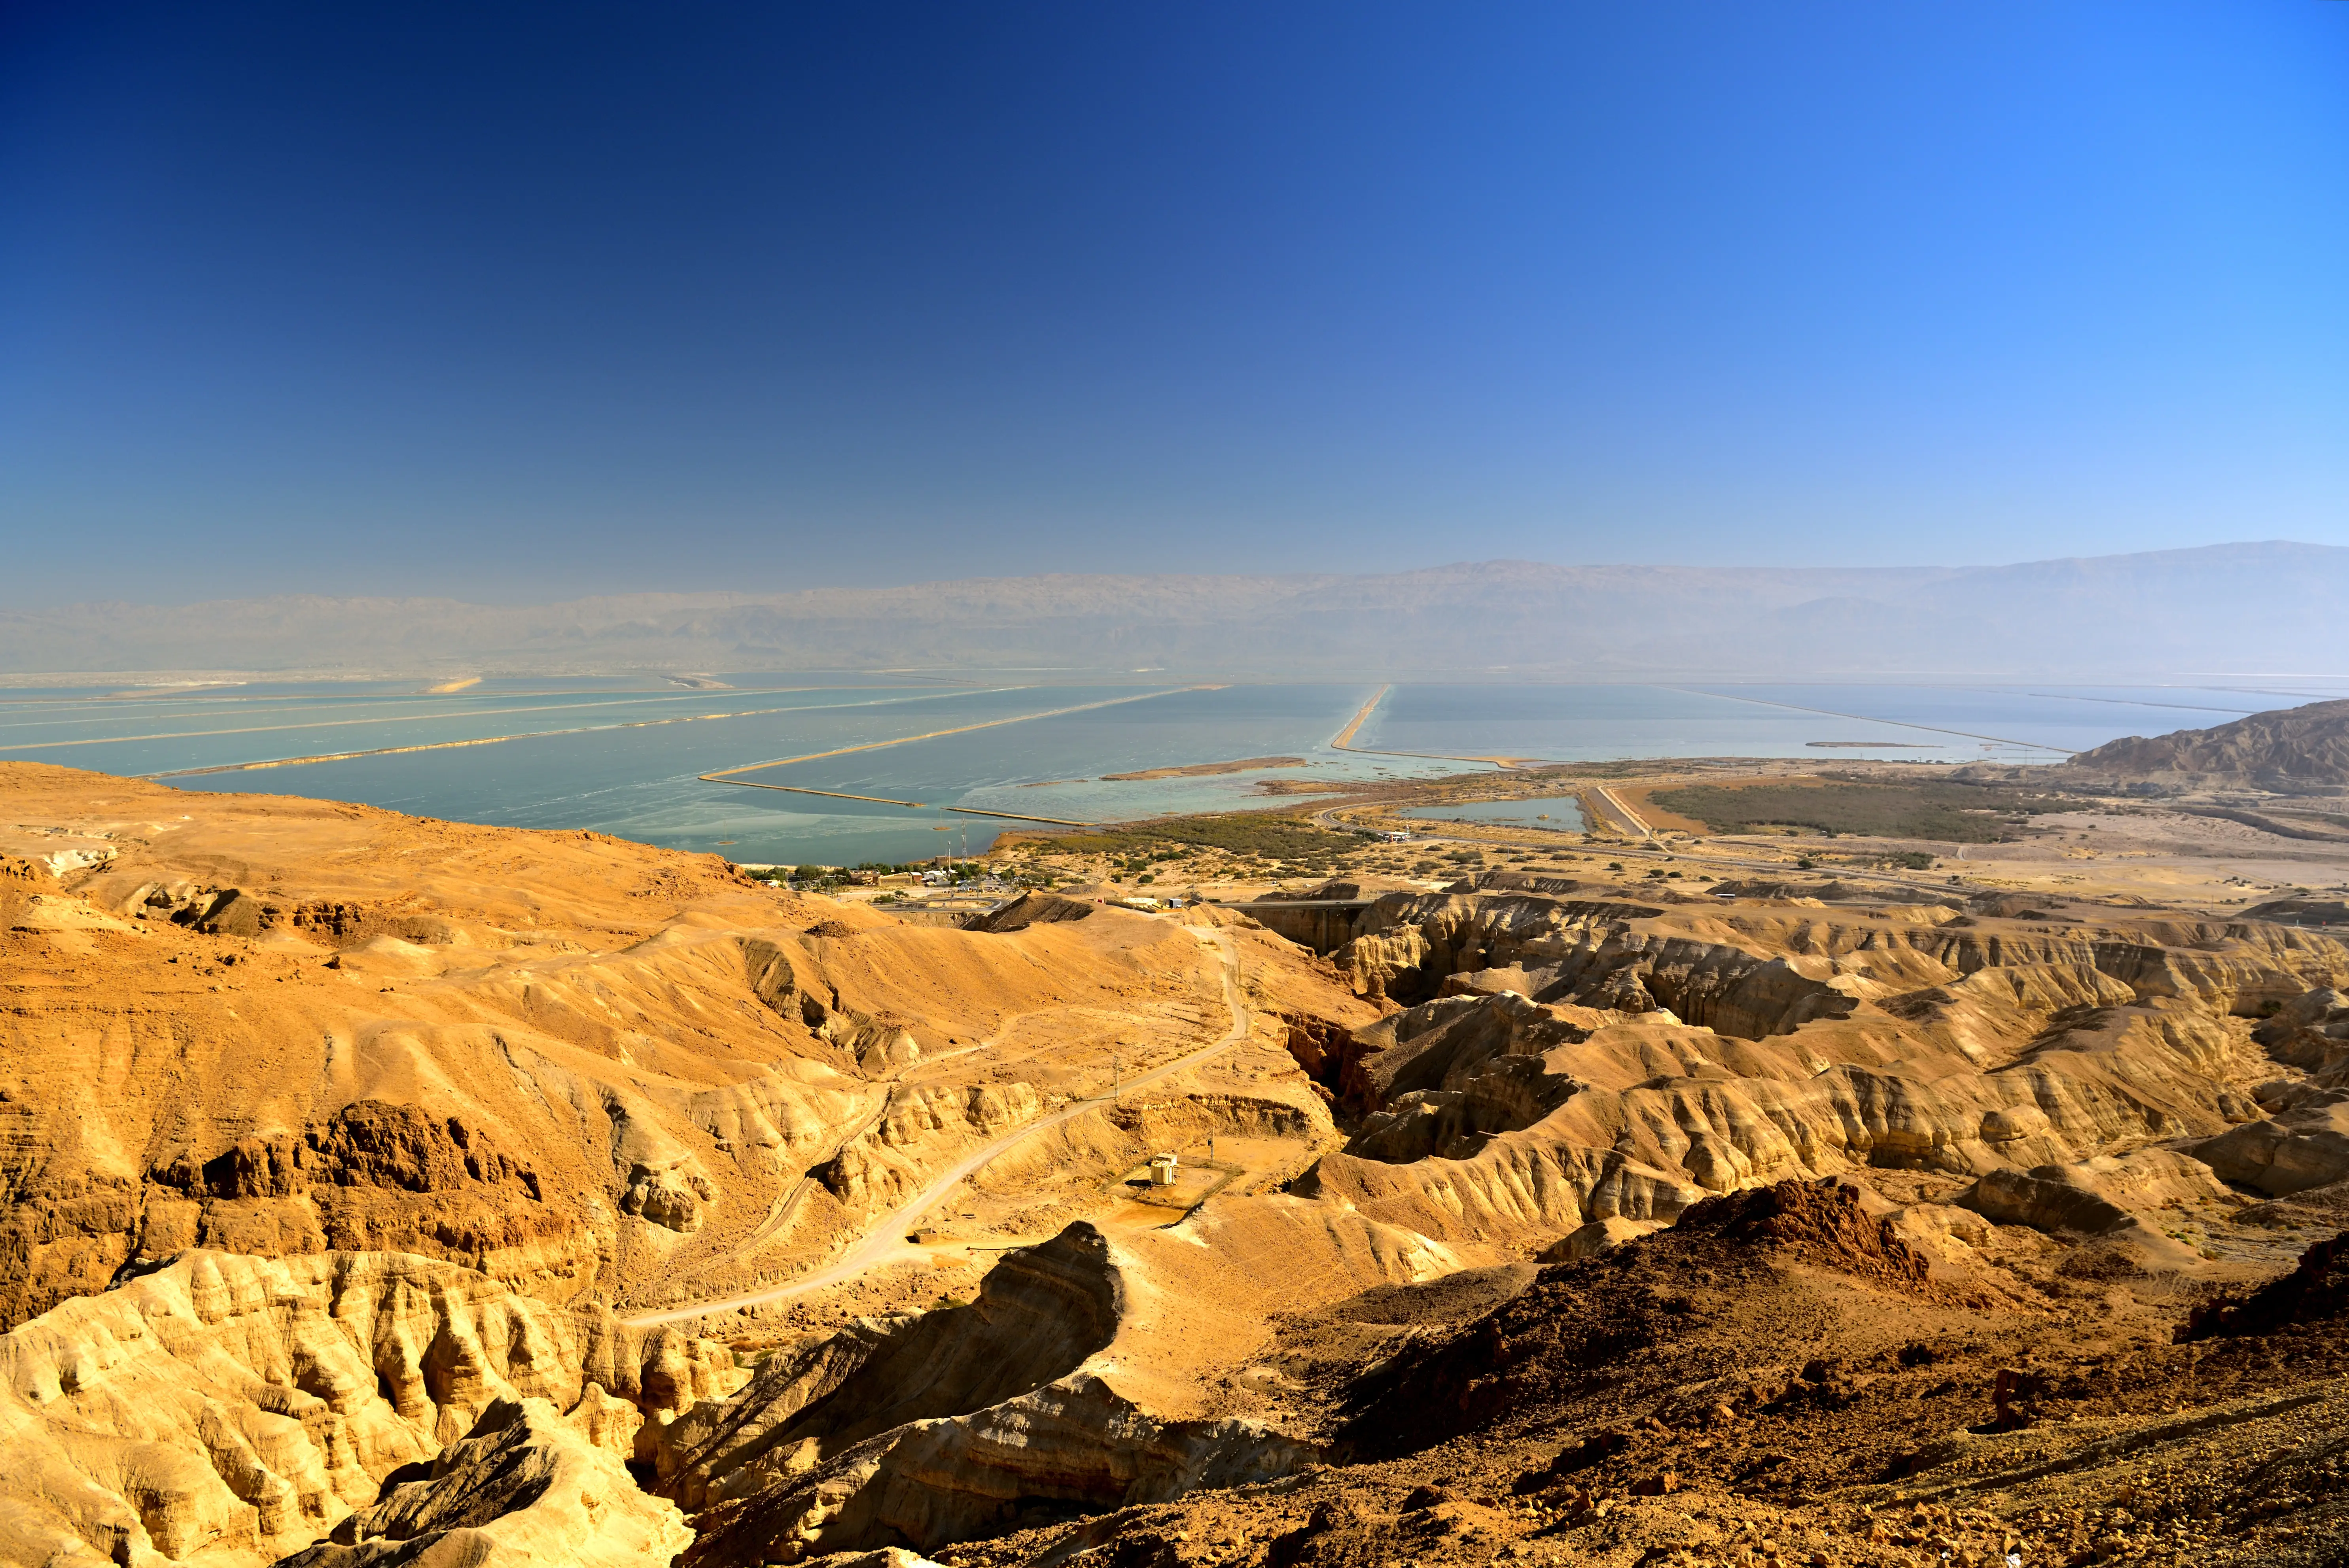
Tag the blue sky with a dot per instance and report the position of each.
(523, 302)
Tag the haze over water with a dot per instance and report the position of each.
(612, 755)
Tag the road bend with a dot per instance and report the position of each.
(885, 1241)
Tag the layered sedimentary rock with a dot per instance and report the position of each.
(318, 1221)
(949, 1425)
(525, 1486)
(1595, 1061)
(589, 1068)
(239, 1409)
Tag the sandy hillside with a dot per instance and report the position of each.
(386, 1190)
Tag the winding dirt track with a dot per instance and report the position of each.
(885, 1241)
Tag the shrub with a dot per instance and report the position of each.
(1248, 833)
(1932, 808)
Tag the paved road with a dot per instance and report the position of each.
(1625, 817)
(885, 1241)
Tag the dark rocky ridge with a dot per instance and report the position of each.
(2283, 748)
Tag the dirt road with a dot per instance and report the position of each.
(885, 1243)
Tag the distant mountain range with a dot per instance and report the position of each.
(2272, 608)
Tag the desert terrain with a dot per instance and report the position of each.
(1837, 1164)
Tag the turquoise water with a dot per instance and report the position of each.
(623, 756)
(596, 754)
(1817, 722)
(1557, 813)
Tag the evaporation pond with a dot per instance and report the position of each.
(1561, 812)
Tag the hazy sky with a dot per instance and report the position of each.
(524, 301)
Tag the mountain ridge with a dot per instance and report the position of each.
(2303, 744)
(2230, 606)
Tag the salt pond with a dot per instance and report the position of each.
(625, 756)
(1554, 814)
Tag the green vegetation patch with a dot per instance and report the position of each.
(1237, 832)
(1962, 813)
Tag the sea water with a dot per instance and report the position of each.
(1820, 722)
(625, 756)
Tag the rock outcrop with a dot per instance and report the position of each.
(2112, 1198)
(525, 1486)
(1609, 1061)
(2280, 749)
(312, 1223)
(2315, 1290)
(235, 1409)
(947, 1425)
(2304, 1145)
(588, 1068)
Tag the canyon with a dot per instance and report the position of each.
(381, 1190)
